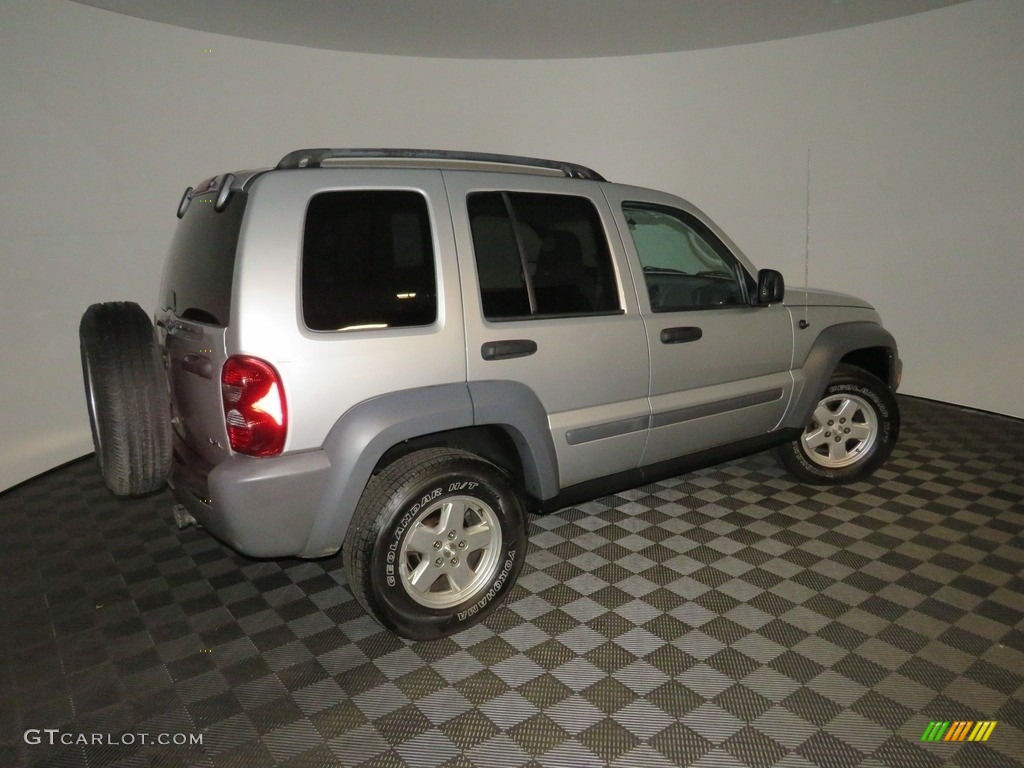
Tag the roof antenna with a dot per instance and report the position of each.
(805, 323)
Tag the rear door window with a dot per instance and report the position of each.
(368, 261)
(540, 255)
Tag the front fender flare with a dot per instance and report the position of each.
(828, 349)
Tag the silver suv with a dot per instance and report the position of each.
(399, 353)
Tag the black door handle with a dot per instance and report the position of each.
(680, 335)
(507, 349)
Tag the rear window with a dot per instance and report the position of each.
(368, 261)
(201, 262)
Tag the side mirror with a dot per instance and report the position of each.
(770, 287)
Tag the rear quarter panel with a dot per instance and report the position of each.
(326, 373)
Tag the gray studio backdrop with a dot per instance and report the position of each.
(914, 127)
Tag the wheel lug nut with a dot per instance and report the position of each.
(830, 423)
(452, 534)
(439, 562)
(847, 430)
(462, 545)
(828, 434)
(455, 561)
(838, 439)
(437, 545)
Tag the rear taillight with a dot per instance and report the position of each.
(254, 406)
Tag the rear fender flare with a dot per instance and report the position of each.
(358, 440)
(515, 407)
(362, 435)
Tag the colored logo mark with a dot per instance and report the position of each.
(958, 730)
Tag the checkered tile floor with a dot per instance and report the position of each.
(728, 617)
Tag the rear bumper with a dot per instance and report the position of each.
(261, 507)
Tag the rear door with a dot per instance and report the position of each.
(720, 367)
(545, 306)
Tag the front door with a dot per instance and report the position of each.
(720, 366)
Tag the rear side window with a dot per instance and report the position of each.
(201, 262)
(540, 255)
(368, 261)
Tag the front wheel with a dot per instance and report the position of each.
(852, 431)
(437, 539)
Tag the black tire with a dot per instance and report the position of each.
(404, 567)
(126, 394)
(851, 433)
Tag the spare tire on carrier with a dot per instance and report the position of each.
(126, 393)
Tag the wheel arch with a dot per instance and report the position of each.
(516, 412)
(862, 344)
(503, 422)
(488, 441)
(879, 361)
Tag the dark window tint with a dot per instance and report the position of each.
(539, 254)
(367, 261)
(201, 262)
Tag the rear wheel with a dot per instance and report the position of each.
(852, 430)
(126, 395)
(436, 541)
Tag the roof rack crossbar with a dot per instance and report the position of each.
(313, 158)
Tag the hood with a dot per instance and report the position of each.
(816, 297)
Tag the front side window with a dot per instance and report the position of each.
(540, 255)
(685, 265)
(368, 261)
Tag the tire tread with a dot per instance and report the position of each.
(387, 494)
(365, 525)
(131, 429)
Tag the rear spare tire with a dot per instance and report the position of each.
(126, 394)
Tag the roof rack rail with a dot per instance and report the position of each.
(314, 158)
